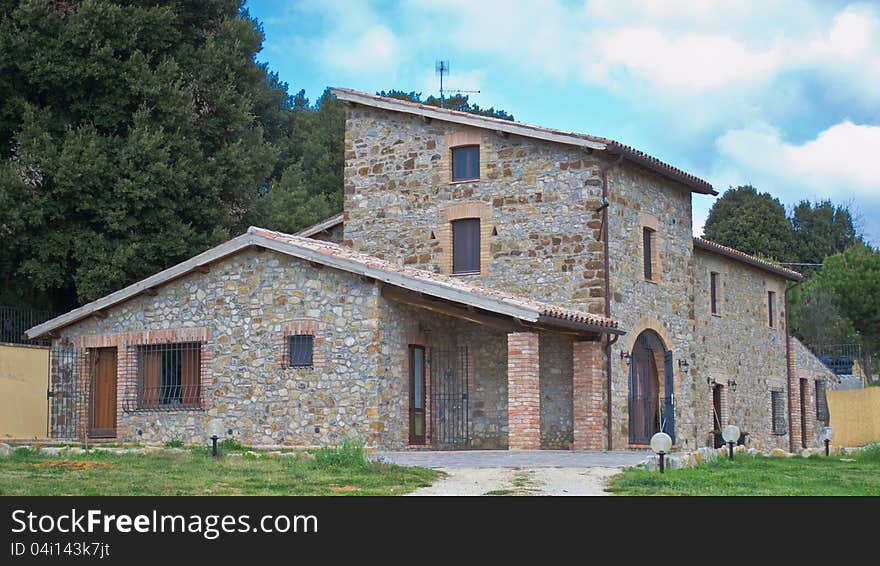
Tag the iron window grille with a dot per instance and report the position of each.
(300, 351)
(777, 409)
(168, 376)
(821, 402)
(466, 163)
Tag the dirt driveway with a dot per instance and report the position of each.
(542, 472)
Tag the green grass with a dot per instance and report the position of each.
(855, 474)
(195, 472)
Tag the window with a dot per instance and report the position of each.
(821, 401)
(169, 375)
(466, 245)
(771, 307)
(466, 163)
(777, 409)
(300, 349)
(648, 240)
(713, 291)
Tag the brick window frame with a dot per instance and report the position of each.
(461, 138)
(649, 224)
(460, 211)
(302, 327)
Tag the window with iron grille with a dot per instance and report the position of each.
(300, 350)
(821, 401)
(777, 409)
(466, 163)
(466, 245)
(648, 244)
(169, 375)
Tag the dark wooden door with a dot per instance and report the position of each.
(644, 392)
(416, 395)
(103, 413)
(717, 440)
(803, 413)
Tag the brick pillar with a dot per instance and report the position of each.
(587, 379)
(523, 391)
(794, 401)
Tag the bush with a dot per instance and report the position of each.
(174, 443)
(350, 455)
(230, 445)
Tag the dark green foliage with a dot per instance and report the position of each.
(752, 222)
(821, 229)
(458, 102)
(816, 316)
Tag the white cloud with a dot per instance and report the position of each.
(372, 50)
(841, 162)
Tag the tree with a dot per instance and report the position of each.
(853, 277)
(132, 135)
(816, 318)
(751, 222)
(821, 229)
(458, 102)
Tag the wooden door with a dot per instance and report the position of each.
(416, 395)
(103, 413)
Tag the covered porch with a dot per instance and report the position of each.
(474, 378)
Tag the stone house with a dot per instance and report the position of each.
(489, 284)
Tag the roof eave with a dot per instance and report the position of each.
(748, 260)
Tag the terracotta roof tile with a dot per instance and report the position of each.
(733, 253)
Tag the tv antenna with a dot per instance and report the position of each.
(442, 68)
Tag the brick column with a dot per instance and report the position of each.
(587, 379)
(794, 401)
(523, 392)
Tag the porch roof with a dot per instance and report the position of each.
(346, 259)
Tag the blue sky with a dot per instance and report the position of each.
(783, 95)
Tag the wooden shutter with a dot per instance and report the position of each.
(668, 421)
(466, 245)
(190, 369)
(466, 163)
(647, 235)
(150, 370)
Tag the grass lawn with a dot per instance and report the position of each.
(855, 474)
(195, 472)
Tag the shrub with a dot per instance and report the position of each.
(175, 442)
(350, 455)
(230, 445)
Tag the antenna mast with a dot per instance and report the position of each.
(442, 68)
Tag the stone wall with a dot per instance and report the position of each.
(556, 392)
(808, 366)
(242, 304)
(638, 199)
(540, 197)
(738, 345)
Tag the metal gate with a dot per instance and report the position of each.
(449, 398)
(68, 392)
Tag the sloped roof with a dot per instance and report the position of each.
(710, 246)
(319, 227)
(527, 130)
(346, 259)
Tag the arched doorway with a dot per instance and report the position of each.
(647, 415)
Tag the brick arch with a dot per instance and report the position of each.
(647, 323)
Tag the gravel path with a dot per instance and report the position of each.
(521, 481)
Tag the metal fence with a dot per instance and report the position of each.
(842, 359)
(14, 321)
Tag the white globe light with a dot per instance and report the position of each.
(730, 433)
(215, 427)
(826, 433)
(661, 442)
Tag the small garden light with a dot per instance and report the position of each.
(661, 443)
(826, 438)
(215, 429)
(730, 434)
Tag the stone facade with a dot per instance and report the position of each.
(243, 303)
(539, 197)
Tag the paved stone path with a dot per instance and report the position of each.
(544, 472)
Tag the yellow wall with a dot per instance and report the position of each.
(855, 416)
(23, 371)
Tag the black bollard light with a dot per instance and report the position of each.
(215, 429)
(661, 443)
(826, 437)
(730, 434)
